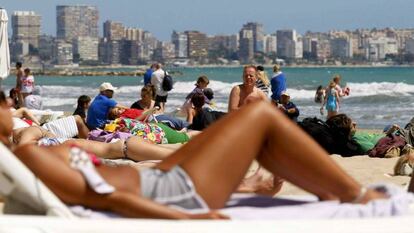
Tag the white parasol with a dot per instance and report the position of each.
(4, 46)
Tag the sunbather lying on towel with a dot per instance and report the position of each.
(63, 128)
(200, 176)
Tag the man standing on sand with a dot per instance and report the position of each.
(100, 107)
(157, 78)
(247, 92)
(278, 83)
(19, 75)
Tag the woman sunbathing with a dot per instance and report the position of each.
(201, 175)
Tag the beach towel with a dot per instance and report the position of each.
(63, 127)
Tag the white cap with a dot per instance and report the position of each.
(107, 86)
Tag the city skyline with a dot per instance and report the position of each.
(320, 15)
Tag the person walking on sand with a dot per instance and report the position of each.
(161, 95)
(278, 83)
(247, 92)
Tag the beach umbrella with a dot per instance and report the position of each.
(4, 46)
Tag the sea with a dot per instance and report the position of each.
(378, 95)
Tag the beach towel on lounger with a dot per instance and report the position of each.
(63, 127)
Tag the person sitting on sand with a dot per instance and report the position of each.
(99, 109)
(147, 98)
(196, 176)
(288, 107)
(247, 92)
(84, 102)
(200, 117)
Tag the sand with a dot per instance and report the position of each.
(364, 169)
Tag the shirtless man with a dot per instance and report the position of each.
(246, 92)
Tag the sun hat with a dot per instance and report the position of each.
(285, 94)
(106, 86)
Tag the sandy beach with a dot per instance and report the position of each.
(364, 169)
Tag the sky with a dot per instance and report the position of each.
(215, 17)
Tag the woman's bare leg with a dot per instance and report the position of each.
(137, 149)
(218, 159)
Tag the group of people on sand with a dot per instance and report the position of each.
(191, 181)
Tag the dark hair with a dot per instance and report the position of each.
(83, 99)
(202, 79)
(27, 70)
(2, 97)
(19, 64)
(149, 88)
(208, 92)
(260, 68)
(340, 124)
(198, 100)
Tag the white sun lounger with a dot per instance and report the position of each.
(25, 194)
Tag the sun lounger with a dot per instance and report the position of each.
(25, 194)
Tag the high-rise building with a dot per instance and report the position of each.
(180, 41)
(377, 49)
(409, 45)
(26, 27)
(46, 44)
(289, 44)
(258, 34)
(341, 47)
(246, 45)
(197, 44)
(164, 51)
(109, 51)
(113, 30)
(63, 53)
(270, 42)
(85, 48)
(136, 34)
(76, 21)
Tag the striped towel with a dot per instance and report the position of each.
(63, 127)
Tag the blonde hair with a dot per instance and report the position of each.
(263, 77)
(332, 84)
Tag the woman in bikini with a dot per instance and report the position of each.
(201, 175)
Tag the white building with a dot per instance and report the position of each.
(179, 40)
(270, 43)
(63, 53)
(86, 48)
(409, 45)
(377, 48)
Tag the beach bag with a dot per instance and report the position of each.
(105, 136)
(385, 143)
(167, 82)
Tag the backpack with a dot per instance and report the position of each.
(167, 82)
(329, 139)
